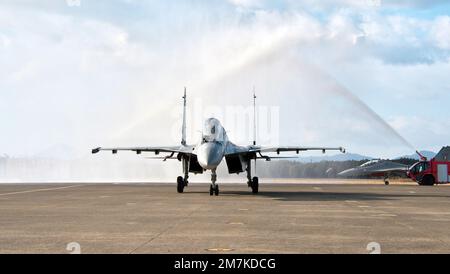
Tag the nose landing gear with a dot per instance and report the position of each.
(214, 188)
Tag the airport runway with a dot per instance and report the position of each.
(283, 218)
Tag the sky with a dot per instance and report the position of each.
(369, 75)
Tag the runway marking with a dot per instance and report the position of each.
(219, 249)
(412, 192)
(431, 213)
(38, 190)
(243, 209)
(306, 225)
(317, 188)
(236, 223)
(428, 219)
(364, 206)
(131, 204)
(384, 215)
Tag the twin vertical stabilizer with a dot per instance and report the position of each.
(183, 129)
(254, 116)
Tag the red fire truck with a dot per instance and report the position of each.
(435, 171)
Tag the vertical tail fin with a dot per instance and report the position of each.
(254, 121)
(254, 116)
(183, 129)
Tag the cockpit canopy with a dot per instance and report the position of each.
(370, 163)
(212, 131)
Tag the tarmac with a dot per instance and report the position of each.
(318, 217)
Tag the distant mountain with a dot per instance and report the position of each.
(337, 157)
(426, 153)
(359, 157)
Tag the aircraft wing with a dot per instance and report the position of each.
(259, 149)
(293, 149)
(157, 150)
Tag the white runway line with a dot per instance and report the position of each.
(384, 215)
(236, 223)
(38, 190)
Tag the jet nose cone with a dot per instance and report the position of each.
(210, 155)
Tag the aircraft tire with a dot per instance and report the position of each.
(255, 185)
(216, 191)
(180, 184)
(427, 181)
(211, 190)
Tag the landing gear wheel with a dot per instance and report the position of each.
(255, 185)
(180, 184)
(386, 183)
(216, 191)
(427, 181)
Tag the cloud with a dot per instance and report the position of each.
(247, 3)
(75, 77)
(440, 32)
(436, 130)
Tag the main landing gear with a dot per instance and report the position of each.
(183, 182)
(386, 180)
(252, 183)
(255, 185)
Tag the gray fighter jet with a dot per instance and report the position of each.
(376, 168)
(209, 152)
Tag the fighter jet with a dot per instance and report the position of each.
(211, 149)
(376, 168)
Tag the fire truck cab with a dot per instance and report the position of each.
(435, 171)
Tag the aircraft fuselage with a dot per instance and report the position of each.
(211, 149)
